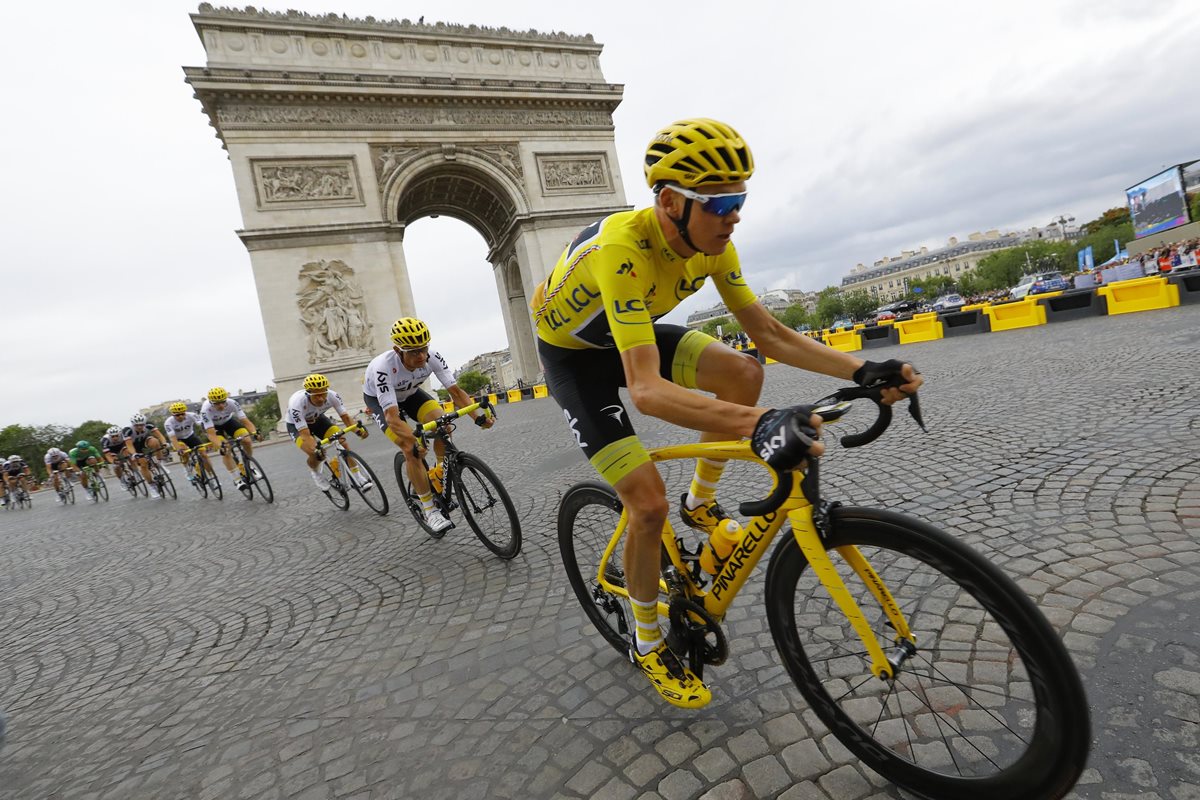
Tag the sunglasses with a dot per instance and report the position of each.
(416, 350)
(720, 204)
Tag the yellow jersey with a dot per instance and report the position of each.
(618, 276)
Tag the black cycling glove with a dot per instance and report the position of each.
(783, 436)
(873, 372)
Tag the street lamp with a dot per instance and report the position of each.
(1062, 223)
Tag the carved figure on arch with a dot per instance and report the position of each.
(333, 310)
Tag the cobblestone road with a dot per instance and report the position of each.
(237, 650)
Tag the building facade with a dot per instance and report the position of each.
(888, 279)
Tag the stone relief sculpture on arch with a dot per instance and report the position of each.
(332, 310)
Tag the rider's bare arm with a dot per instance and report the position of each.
(659, 397)
(778, 341)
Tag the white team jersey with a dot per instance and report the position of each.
(182, 428)
(302, 410)
(389, 381)
(55, 456)
(211, 416)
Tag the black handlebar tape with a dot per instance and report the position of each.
(758, 508)
(874, 432)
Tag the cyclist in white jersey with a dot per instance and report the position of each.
(112, 447)
(181, 429)
(143, 438)
(392, 385)
(57, 461)
(308, 425)
(219, 413)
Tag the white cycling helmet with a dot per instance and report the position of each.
(13, 457)
(113, 431)
(137, 419)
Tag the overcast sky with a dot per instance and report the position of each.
(875, 127)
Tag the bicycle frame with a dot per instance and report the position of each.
(758, 534)
(441, 428)
(339, 447)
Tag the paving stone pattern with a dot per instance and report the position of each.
(204, 649)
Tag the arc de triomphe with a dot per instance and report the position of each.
(342, 131)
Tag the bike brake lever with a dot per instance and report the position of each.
(914, 410)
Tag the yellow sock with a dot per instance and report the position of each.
(427, 501)
(645, 616)
(704, 482)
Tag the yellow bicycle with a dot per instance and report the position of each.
(347, 470)
(923, 658)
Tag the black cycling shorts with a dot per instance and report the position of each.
(584, 383)
(317, 428)
(410, 406)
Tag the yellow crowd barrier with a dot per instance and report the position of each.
(921, 328)
(847, 341)
(1140, 294)
(1022, 314)
(447, 406)
(540, 390)
(514, 395)
(493, 399)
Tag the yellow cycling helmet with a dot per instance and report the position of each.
(694, 151)
(217, 395)
(316, 383)
(178, 408)
(409, 333)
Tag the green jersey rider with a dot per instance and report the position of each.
(596, 321)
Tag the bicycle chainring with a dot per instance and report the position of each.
(697, 630)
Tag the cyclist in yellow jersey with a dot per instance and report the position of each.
(596, 321)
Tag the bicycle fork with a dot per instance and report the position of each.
(883, 666)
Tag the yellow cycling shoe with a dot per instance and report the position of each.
(677, 684)
(435, 479)
(706, 517)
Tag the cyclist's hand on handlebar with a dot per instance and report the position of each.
(784, 437)
(485, 421)
(872, 373)
(360, 432)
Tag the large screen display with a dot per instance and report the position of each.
(1158, 204)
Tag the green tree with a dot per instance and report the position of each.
(1101, 241)
(472, 381)
(1194, 202)
(830, 306)
(1114, 216)
(443, 395)
(92, 431)
(31, 443)
(1003, 269)
(858, 304)
(727, 325)
(931, 287)
(969, 284)
(795, 316)
(265, 413)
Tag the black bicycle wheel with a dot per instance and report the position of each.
(486, 505)
(214, 483)
(587, 518)
(336, 492)
(196, 476)
(987, 705)
(97, 481)
(26, 500)
(259, 480)
(139, 481)
(409, 495)
(374, 496)
(68, 492)
(165, 484)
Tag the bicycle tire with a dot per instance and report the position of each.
(101, 487)
(197, 476)
(68, 493)
(165, 484)
(471, 476)
(587, 517)
(410, 498)
(139, 481)
(336, 492)
(214, 483)
(257, 480)
(947, 592)
(375, 497)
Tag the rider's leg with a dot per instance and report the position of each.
(735, 378)
(645, 499)
(428, 413)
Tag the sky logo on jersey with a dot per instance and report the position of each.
(571, 423)
(686, 287)
(627, 307)
(381, 382)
